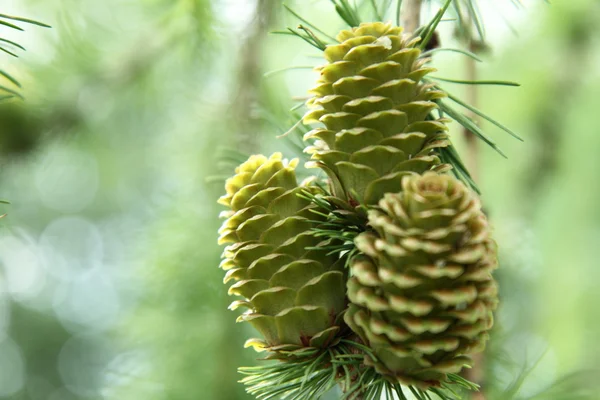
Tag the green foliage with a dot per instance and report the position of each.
(180, 323)
(338, 220)
(20, 129)
(315, 373)
(8, 46)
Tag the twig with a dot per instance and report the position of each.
(477, 372)
(411, 15)
(472, 97)
(250, 74)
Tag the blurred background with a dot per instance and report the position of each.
(134, 112)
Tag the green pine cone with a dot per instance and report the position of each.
(294, 296)
(376, 113)
(422, 293)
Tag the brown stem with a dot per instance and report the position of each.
(250, 77)
(475, 374)
(411, 15)
(472, 97)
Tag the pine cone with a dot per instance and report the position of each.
(422, 293)
(376, 112)
(294, 296)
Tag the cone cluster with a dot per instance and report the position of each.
(293, 295)
(374, 113)
(420, 293)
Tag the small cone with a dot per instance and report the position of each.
(294, 296)
(374, 113)
(422, 293)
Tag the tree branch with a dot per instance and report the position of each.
(472, 97)
(474, 45)
(250, 77)
(411, 15)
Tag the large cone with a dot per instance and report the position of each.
(375, 113)
(294, 296)
(422, 293)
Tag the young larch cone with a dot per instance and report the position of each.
(294, 296)
(375, 113)
(421, 293)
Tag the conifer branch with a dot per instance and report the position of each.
(7, 92)
(312, 363)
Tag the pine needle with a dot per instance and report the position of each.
(398, 9)
(26, 20)
(12, 43)
(430, 28)
(281, 70)
(312, 375)
(461, 51)
(483, 82)
(307, 23)
(483, 115)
